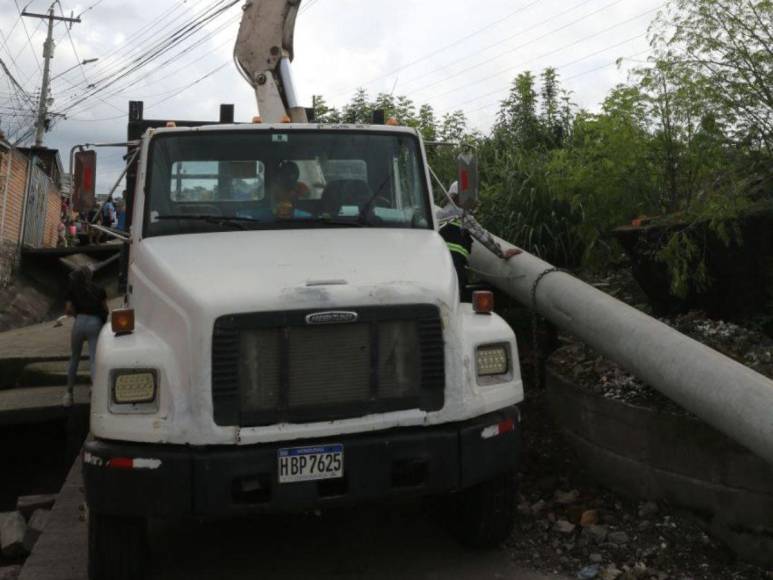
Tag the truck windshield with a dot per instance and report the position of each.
(214, 181)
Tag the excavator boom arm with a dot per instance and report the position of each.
(263, 53)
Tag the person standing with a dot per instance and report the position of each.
(87, 302)
(108, 213)
(459, 229)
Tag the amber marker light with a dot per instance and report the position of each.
(483, 301)
(122, 320)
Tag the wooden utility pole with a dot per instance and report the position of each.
(48, 54)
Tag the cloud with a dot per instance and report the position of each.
(449, 53)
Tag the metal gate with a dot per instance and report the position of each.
(37, 207)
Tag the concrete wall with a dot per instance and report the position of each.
(12, 198)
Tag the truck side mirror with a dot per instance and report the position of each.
(84, 183)
(468, 180)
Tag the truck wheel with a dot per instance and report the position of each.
(485, 513)
(117, 547)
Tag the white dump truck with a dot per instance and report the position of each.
(292, 336)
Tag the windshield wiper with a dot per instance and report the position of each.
(220, 220)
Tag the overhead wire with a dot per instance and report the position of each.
(176, 92)
(179, 67)
(172, 59)
(448, 46)
(114, 59)
(543, 36)
(550, 53)
(165, 45)
(29, 39)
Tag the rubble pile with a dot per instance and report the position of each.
(745, 344)
(567, 524)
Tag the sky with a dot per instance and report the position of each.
(452, 54)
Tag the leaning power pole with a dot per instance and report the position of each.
(48, 54)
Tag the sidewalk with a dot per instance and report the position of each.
(60, 553)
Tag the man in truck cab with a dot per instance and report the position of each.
(458, 228)
(287, 189)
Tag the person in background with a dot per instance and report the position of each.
(87, 302)
(108, 213)
(459, 228)
(120, 212)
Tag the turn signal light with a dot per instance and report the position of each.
(257, 119)
(483, 301)
(286, 119)
(122, 320)
(392, 122)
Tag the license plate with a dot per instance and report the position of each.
(310, 463)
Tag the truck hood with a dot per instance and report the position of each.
(232, 272)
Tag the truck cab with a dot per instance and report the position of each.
(293, 339)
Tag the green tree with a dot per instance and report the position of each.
(324, 113)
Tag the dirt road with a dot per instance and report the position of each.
(376, 543)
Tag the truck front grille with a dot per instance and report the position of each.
(274, 367)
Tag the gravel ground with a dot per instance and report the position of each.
(568, 524)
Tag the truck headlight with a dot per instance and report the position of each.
(134, 386)
(492, 359)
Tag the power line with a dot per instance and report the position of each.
(520, 46)
(144, 60)
(176, 92)
(29, 39)
(565, 65)
(158, 49)
(175, 59)
(587, 72)
(307, 6)
(113, 60)
(72, 44)
(447, 46)
(557, 50)
(16, 84)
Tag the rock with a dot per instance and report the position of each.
(648, 509)
(596, 558)
(524, 509)
(644, 525)
(564, 527)
(596, 534)
(589, 518)
(27, 504)
(566, 497)
(538, 506)
(618, 538)
(10, 572)
(588, 573)
(35, 527)
(610, 573)
(12, 531)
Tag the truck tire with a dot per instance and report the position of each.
(485, 513)
(117, 547)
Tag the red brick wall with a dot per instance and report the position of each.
(16, 188)
(15, 192)
(53, 216)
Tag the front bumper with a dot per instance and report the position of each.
(169, 480)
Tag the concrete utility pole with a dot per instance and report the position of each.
(48, 54)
